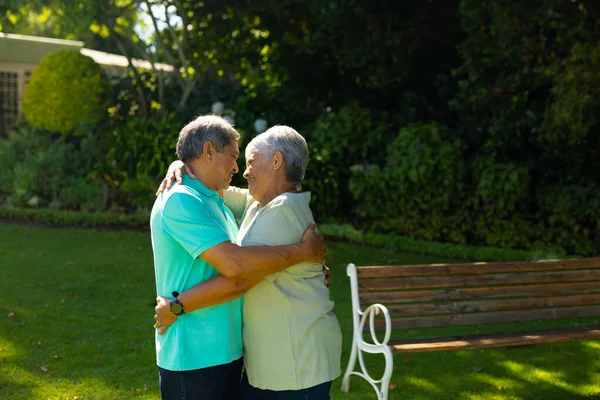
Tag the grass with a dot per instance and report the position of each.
(76, 312)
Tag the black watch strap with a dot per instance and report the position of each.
(176, 306)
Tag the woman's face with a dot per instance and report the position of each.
(259, 173)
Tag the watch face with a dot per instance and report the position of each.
(175, 308)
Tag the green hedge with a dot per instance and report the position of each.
(410, 245)
(47, 216)
(335, 231)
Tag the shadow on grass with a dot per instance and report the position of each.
(565, 371)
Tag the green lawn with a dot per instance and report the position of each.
(76, 311)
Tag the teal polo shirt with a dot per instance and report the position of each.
(187, 220)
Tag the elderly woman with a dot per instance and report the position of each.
(292, 339)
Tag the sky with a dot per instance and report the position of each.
(159, 12)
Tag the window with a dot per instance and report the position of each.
(9, 101)
(12, 88)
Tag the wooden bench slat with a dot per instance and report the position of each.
(495, 340)
(368, 298)
(489, 318)
(477, 280)
(426, 309)
(475, 268)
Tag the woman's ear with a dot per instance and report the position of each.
(277, 160)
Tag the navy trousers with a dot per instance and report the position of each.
(221, 382)
(319, 392)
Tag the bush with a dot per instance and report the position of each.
(421, 193)
(136, 157)
(119, 170)
(142, 147)
(139, 192)
(339, 140)
(570, 217)
(31, 165)
(499, 203)
(37, 170)
(67, 91)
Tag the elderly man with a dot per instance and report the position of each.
(193, 236)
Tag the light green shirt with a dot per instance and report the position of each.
(187, 220)
(292, 339)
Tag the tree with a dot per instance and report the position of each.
(119, 26)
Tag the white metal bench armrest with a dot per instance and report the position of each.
(370, 313)
(359, 319)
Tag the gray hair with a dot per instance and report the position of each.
(291, 145)
(206, 128)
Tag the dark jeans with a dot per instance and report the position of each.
(221, 382)
(319, 392)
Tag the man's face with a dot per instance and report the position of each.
(225, 164)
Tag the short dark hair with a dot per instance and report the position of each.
(206, 128)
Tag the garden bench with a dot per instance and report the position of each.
(447, 295)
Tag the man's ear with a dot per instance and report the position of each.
(208, 150)
(277, 160)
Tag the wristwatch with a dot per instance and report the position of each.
(176, 306)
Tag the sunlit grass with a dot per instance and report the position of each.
(80, 326)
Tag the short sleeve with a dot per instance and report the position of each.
(187, 219)
(236, 200)
(275, 227)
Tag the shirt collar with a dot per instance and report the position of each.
(199, 186)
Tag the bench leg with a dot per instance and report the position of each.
(381, 386)
(387, 374)
(350, 368)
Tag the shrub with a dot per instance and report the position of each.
(339, 140)
(139, 192)
(82, 193)
(499, 203)
(142, 147)
(67, 91)
(421, 192)
(570, 217)
(32, 165)
(37, 170)
(137, 155)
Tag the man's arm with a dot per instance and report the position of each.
(250, 262)
(187, 220)
(216, 290)
(246, 265)
(256, 262)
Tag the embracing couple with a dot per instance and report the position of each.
(214, 244)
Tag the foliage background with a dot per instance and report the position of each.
(471, 121)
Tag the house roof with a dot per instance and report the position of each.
(31, 49)
(26, 38)
(117, 60)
